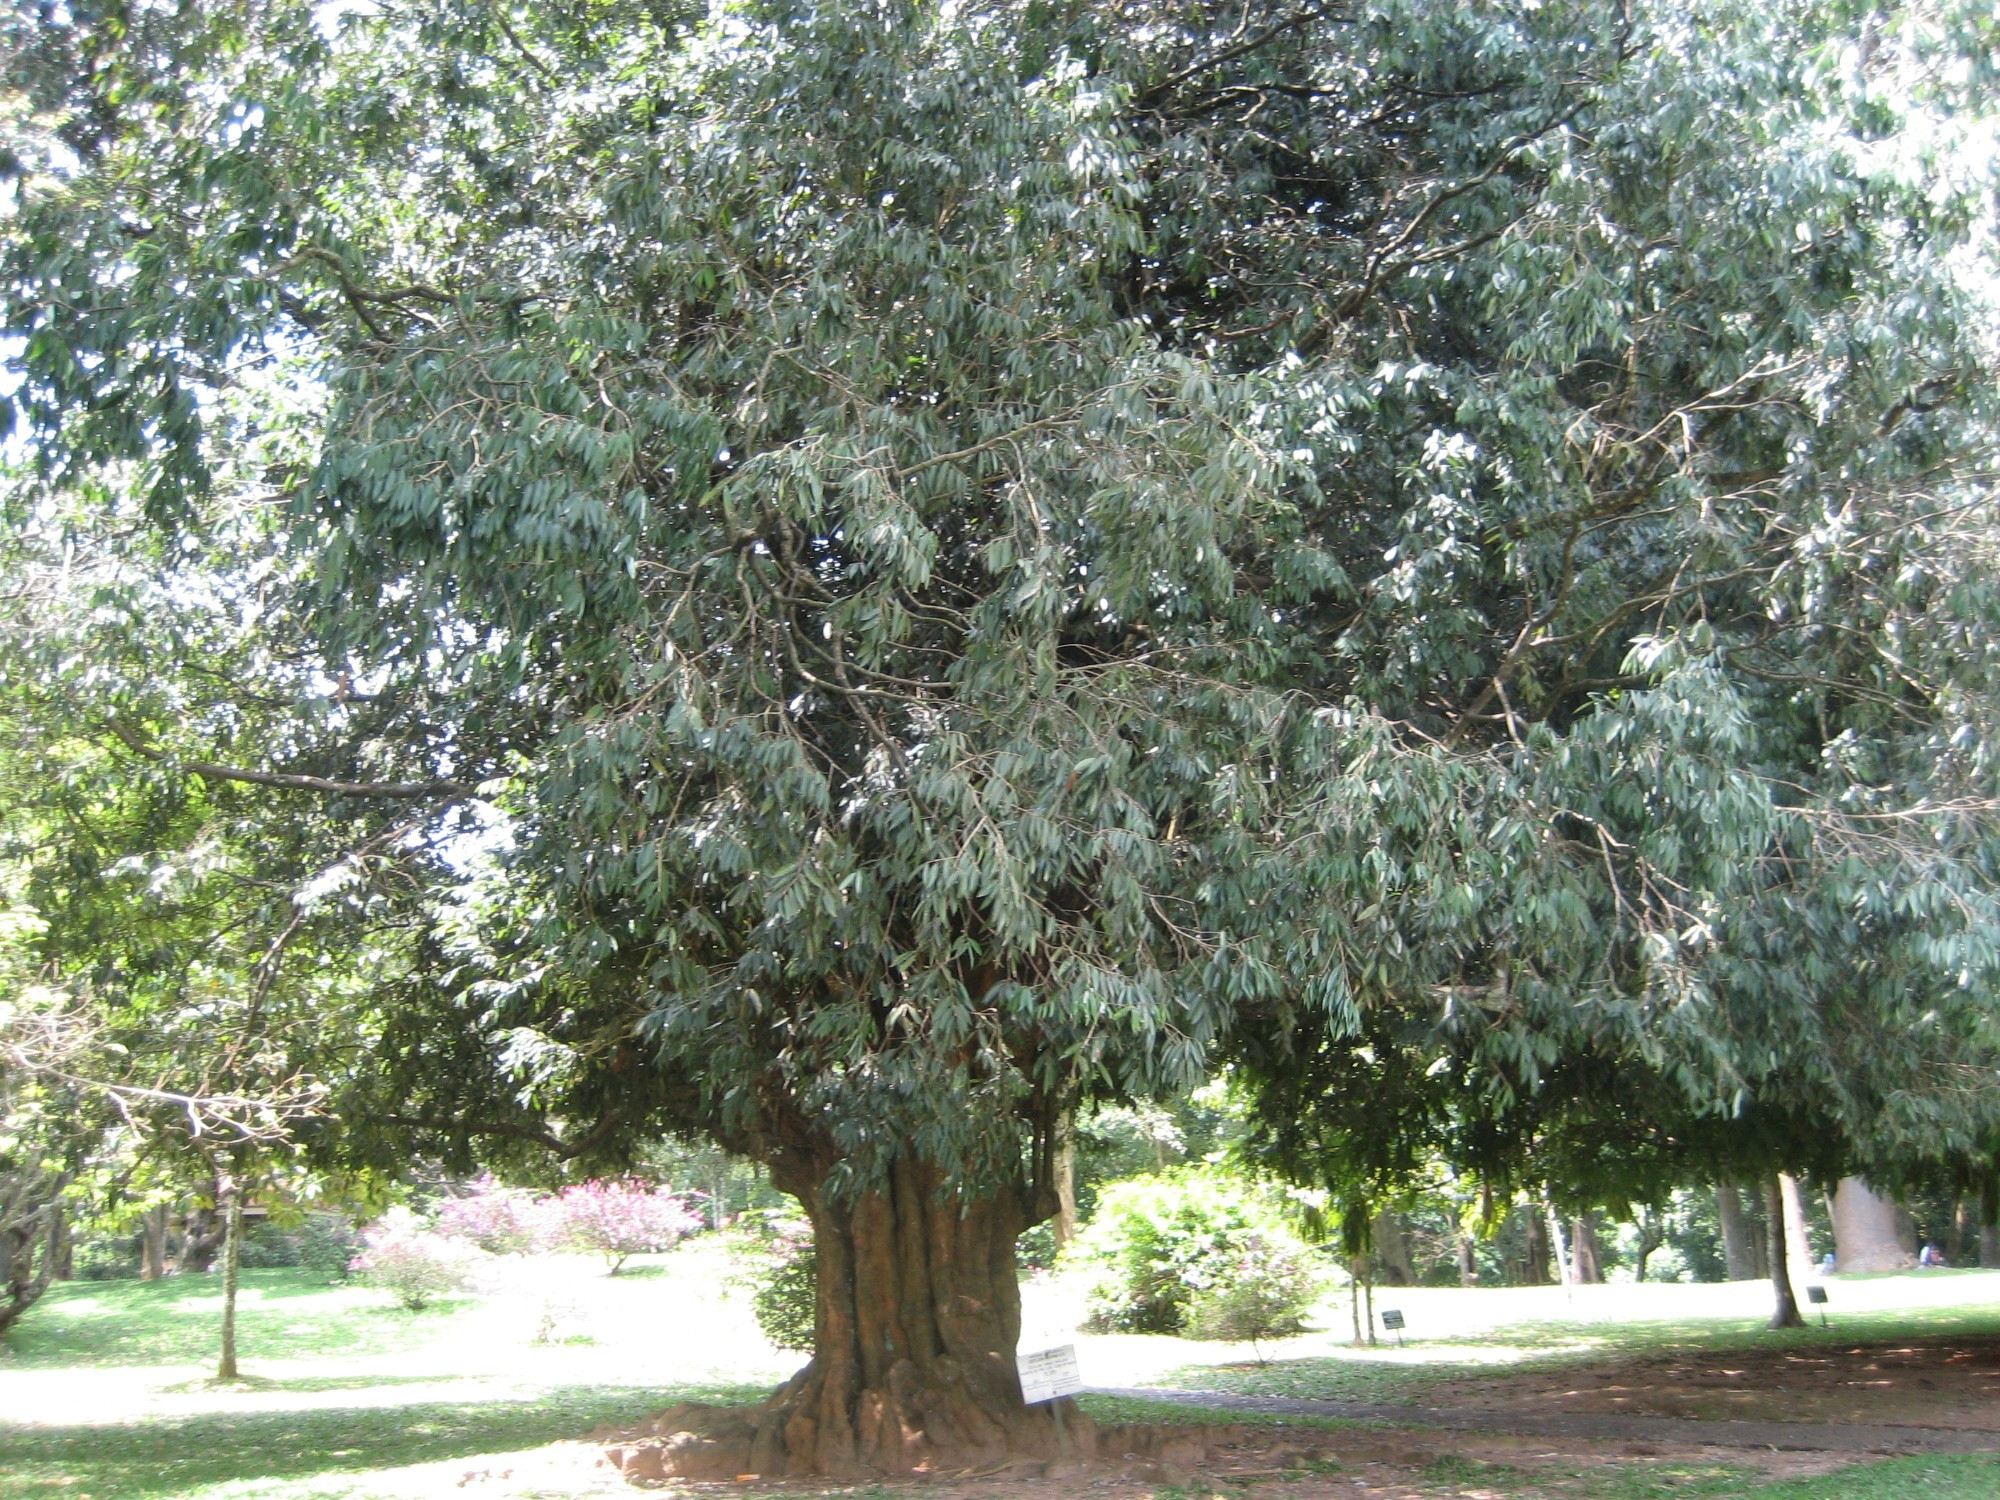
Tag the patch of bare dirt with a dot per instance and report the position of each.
(1211, 1463)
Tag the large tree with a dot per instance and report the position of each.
(978, 549)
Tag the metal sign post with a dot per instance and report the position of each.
(1392, 1319)
(1816, 1295)
(1049, 1375)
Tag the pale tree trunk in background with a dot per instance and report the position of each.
(1563, 1268)
(1468, 1261)
(1864, 1230)
(229, 1189)
(1065, 1174)
(1739, 1245)
(153, 1244)
(1798, 1250)
(1786, 1312)
(1392, 1249)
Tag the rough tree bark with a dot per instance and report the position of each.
(914, 1347)
(1739, 1247)
(1786, 1313)
(1865, 1236)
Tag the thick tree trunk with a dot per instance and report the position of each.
(1586, 1257)
(1786, 1313)
(153, 1244)
(27, 1260)
(1468, 1261)
(1739, 1247)
(914, 1348)
(1392, 1249)
(1535, 1264)
(1865, 1234)
(201, 1236)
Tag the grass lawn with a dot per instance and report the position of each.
(104, 1392)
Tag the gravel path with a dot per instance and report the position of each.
(1813, 1437)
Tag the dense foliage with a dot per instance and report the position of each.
(946, 562)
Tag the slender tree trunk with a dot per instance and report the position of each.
(1989, 1223)
(913, 1366)
(229, 1189)
(1865, 1234)
(1786, 1314)
(1964, 1230)
(1739, 1249)
(1563, 1267)
(1652, 1235)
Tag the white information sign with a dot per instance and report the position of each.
(1049, 1373)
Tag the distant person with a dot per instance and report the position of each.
(1826, 1264)
(1930, 1256)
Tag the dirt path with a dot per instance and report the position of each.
(1807, 1437)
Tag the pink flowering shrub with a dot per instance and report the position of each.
(499, 1220)
(620, 1219)
(414, 1264)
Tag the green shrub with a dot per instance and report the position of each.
(776, 1264)
(1155, 1243)
(105, 1258)
(1262, 1291)
(327, 1245)
(785, 1303)
(269, 1248)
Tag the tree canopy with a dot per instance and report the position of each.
(981, 557)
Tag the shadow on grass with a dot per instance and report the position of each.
(172, 1457)
(285, 1314)
(1405, 1374)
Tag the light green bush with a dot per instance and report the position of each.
(1156, 1243)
